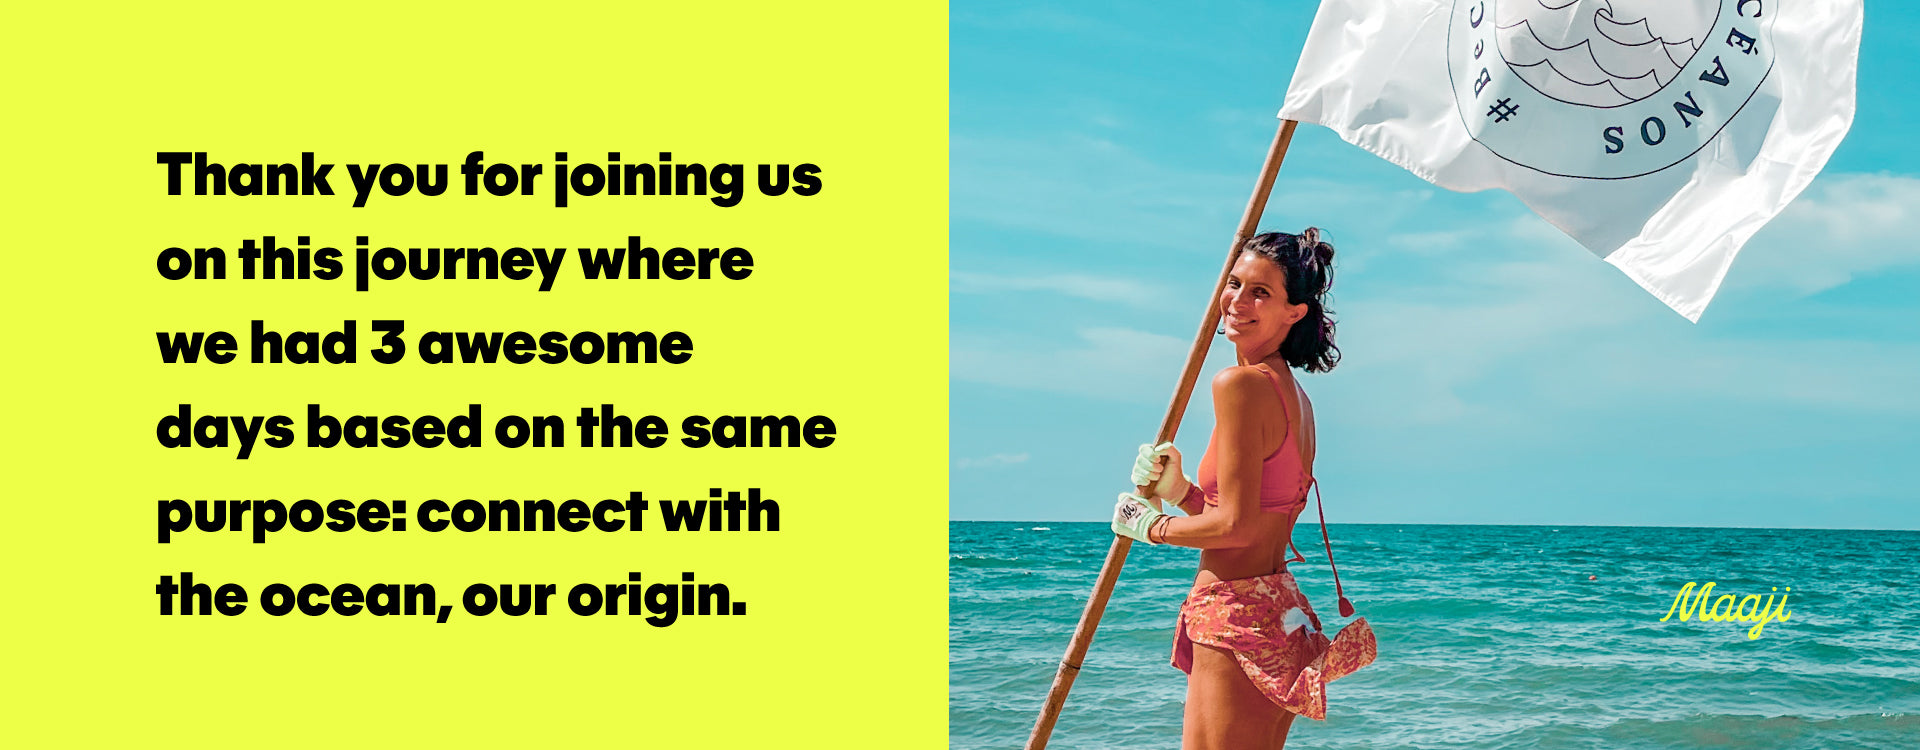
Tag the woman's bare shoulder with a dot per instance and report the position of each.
(1245, 391)
(1240, 382)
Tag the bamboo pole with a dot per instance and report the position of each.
(1196, 358)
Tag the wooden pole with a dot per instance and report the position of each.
(1196, 358)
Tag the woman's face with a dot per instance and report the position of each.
(1254, 307)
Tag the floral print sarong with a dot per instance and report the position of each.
(1273, 633)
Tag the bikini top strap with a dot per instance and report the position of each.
(1301, 446)
(1346, 607)
(1275, 377)
(1286, 413)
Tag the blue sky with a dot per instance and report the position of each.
(1494, 371)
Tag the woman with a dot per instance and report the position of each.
(1249, 641)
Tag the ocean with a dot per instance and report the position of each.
(1490, 637)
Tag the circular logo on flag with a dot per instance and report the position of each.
(1605, 89)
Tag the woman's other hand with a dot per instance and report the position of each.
(1158, 469)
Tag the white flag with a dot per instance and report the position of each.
(1660, 134)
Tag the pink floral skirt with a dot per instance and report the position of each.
(1271, 630)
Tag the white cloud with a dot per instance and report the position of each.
(1106, 289)
(1093, 189)
(1484, 318)
(1050, 20)
(1834, 375)
(987, 462)
(1430, 242)
(1522, 323)
(1089, 188)
(1104, 363)
(1844, 226)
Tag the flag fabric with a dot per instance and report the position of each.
(1659, 134)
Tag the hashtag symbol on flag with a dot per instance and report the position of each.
(1502, 110)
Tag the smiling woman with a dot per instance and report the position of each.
(1254, 651)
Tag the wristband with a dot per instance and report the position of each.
(1194, 495)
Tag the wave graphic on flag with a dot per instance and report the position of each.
(1584, 53)
(1659, 134)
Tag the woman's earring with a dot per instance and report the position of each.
(1222, 331)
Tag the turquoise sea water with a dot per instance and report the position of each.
(1490, 637)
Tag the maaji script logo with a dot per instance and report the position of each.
(1605, 89)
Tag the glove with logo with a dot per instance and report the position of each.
(1134, 516)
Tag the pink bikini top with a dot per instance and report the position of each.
(1283, 477)
(1284, 482)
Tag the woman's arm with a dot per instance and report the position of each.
(1239, 414)
(1194, 502)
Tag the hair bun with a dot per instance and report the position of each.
(1317, 255)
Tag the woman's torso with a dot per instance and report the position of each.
(1285, 475)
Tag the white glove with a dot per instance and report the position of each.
(1133, 516)
(1161, 478)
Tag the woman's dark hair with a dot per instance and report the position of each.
(1308, 263)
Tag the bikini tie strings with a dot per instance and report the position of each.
(1346, 607)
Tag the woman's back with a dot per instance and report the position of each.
(1286, 472)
